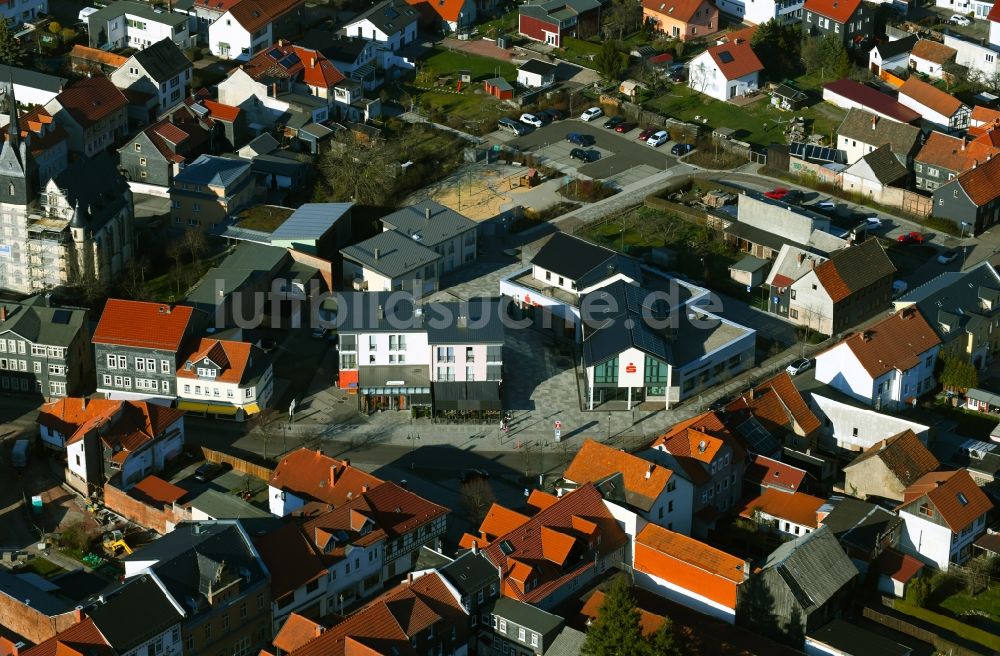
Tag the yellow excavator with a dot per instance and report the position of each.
(115, 540)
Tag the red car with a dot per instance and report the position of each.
(911, 238)
(777, 193)
(647, 133)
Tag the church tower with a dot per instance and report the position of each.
(16, 185)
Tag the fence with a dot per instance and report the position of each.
(238, 464)
(908, 628)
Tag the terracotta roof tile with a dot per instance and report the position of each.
(850, 270)
(954, 495)
(798, 507)
(903, 454)
(994, 14)
(684, 442)
(317, 70)
(930, 96)
(933, 51)
(84, 639)
(954, 153)
(735, 59)
(897, 566)
(221, 112)
(691, 551)
(291, 559)
(982, 114)
(777, 403)
(644, 481)
(897, 342)
(500, 520)
(156, 489)
(96, 55)
(767, 472)
(91, 99)
(837, 10)
(448, 10)
(233, 358)
(255, 14)
(741, 34)
(313, 475)
(982, 183)
(539, 500)
(681, 10)
(143, 325)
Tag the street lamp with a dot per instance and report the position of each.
(609, 427)
(962, 234)
(413, 446)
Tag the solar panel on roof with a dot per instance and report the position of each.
(61, 316)
(757, 436)
(289, 61)
(275, 53)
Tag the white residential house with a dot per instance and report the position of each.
(862, 132)
(536, 74)
(304, 476)
(888, 365)
(790, 513)
(161, 70)
(726, 71)
(129, 24)
(978, 8)
(393, 25)
(252, 25)
(23, 12)
(994, 18)
(853, 428)
(224, 378)
(941, 109)
(929, 58)
(785, 12)
(31, 88)
(943, 513)
(891, 55)
(982, 59)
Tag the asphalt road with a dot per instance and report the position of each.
(619, 151)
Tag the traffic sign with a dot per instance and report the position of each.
(558, 425)
(558, 434)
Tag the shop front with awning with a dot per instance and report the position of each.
(467, 401)
(218, 410)
(394, 387)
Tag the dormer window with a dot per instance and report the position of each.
(926, 510)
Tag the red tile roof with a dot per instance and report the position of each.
(954, 153)
(388, 623)
(291, 559)
(255, 14)
(91, 99)
(982, 114)
(83, 639)
(897, 342)
(96, 55)
(680, 10)
(232, 358)
(797, 507)
(312, 475)
(850, 270)
(769, 473)
(930, 96)
(644, 481)
(904, 455)
(532, 559)
(448, 10)
(994, 14)
(690, 551)
(735, 59)
(317, 70)
(777, 403)
(221, 112)
(933, 51)
(836, 10)
(539, 500)
(897, 566)
(695, 442)
(954, 495)
(982, 183)
(873, 100)
(155, 489)
(221, 6)
(741, 34)
(143, 325)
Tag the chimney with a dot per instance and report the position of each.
(802, 257)
(475, 547)
(649, 470)
(3, 312)
(867, 335)
(702, 446)
(409, 577)
(347, 462)
(364, 488)
(378, 251)
(381, 313)
(312, 62)
(874, 121)
(427, 213)
(333, 475)
(48, 299)
(274, 89)
(963, 143)
(751, 393)
(78, 614)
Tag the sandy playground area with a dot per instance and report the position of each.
(479, 191)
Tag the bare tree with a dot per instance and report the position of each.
(476, 498)
(195, 244)
(267, 424)
(362, 172)
(133, 281)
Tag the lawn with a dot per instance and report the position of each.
(962, 603)
(264, 217)
(579, 51)
(449, 62)
(757, 122)
(970, 423)
(950, 625)
(44, 568)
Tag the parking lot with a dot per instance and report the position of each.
(623, 157)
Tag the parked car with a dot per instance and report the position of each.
(947, 257)
(778, 193)
(592, 113)
(825, 207)
(798, 366)
(873, 223)
(532, 120)
(959, 19)
(681, 149)
(512, 126)
(585, 155)
(627, 126)
(580, 139)
(911, 238)
(647, 133)
(209, 470)
(555, 114)
(469, 475)
(658, 139)
(793, 196)
(613, 122)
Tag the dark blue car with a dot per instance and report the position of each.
(580, 139)
(681, 149)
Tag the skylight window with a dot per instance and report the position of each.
(962, 499)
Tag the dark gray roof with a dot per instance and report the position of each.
(390, 253)
(134, 613)
(311, 220)
(561, 9)
(852, 639)
(389, 16)
(23, 590)
(248, 261)
(163, 60)
(332, 46)
(427, 558)
(623, 317)
(97, 185)
(526, 615)
(263, 143)
(901, 137)
(429, 222)
(25, 77)
(377, 312)
(38, 323)
(899, 46)
(139, 9)
(197, 557)
(858, 523)
(212, 170)
(582, 261)
(885, 166)
(568, 642)
(537, 66)
(956, 294)
(220, 505)
(470, 572)
(861, 265)
(814, 567)
(482, 325)
(750, 264)
(407, 375)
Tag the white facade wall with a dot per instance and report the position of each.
(281, 502)
(994, 33)
(781, 11)
(30, 96)
(140, 32)
(926, 113)
(439, 359)
(928, 68)
(76, 461)
(925, 540)
(207, 390)
(984, 59)
(16, 13)
(901, 60)
(345, 578)
(848, 427)
(414, 345)
(786, 526)
(811, 305)
(228, 39)
(365, 29)
(684, 597)
(300, 599)
(705, 77)
(839, 369)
